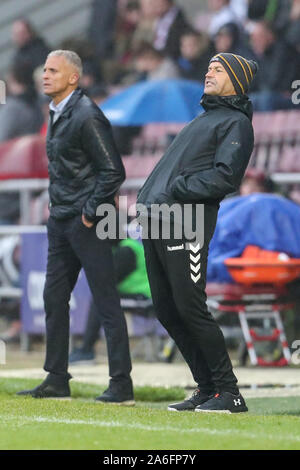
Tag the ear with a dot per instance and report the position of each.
(74, 78)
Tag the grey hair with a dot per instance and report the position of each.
(71, 57)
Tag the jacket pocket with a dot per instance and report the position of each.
(203, 163)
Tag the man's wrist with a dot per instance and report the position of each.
(89, 218)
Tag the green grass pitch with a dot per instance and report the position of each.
(80, 423)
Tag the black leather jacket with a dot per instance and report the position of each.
(85, 168)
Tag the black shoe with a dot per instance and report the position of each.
(118, 393)
(50, 388)
(224, 402)
(190, 404)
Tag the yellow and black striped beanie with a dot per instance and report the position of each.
(241, 71)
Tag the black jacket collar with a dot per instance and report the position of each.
(78, 93)
(238, 102)
(67, 110)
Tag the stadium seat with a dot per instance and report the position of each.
(289, 159)
(277, 141)
(260, 126)
(137, 166)
(155, 138)
(291, 125)
(24, 157)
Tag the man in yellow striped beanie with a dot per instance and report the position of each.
(240, 71)
(206, 162)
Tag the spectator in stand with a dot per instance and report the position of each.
(102, 27)
(278, 64)
(154, 65)
(257, 9)
(196, 49)
(128, 20)
(274, 12)
(240, 8)
(22, 113)
(230, 38)
(292, 34)
(255, 181)
(127, 23)
(150, 64)
(223, 14)
(38, 80)
(170, 26)
(145, 30)
(293, 29)
(43, 99)
(31, 49)
(294, 195)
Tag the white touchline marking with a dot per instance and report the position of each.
(144, 427)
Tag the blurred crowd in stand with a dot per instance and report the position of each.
(154, 39)
(132, 40)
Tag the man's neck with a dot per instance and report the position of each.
(58, 98)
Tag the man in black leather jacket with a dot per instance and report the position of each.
(204, 163)
(85, 170)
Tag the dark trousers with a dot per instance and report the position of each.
(179, 300)
(73, 246)
(92, 328)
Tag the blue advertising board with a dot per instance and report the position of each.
(34, 247)
(33, 273)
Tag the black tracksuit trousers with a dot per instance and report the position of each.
(73, 246)
(177, 279)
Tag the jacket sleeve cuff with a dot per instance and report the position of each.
(90, 213)
(88, 217)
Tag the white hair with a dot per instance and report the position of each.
(71, 57)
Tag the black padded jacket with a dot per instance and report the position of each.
(208, 158)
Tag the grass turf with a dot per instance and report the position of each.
(27, 423)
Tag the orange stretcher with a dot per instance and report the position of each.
(257, 266)
(259, 296)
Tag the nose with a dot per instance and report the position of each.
(209, 74)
